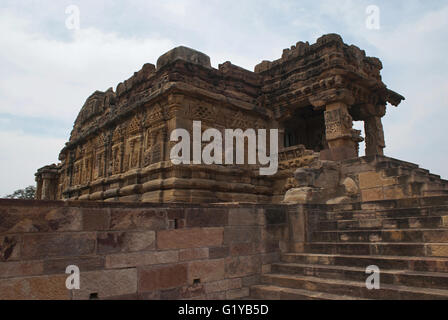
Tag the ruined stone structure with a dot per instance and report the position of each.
(119, 147)
(151, 231)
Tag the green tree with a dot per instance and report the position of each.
(27, 193)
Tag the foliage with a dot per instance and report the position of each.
(27, 193)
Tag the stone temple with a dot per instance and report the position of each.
(140, 227)
(119, 147)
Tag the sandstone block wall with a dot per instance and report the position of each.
(138, 251)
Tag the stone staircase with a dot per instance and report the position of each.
(382, 178)
(407, 239)
(419, 181)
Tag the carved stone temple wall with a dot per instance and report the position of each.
(119, 149)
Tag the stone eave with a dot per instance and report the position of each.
(394, 98)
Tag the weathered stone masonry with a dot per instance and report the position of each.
(137, 251)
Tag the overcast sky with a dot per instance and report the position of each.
(48, 70)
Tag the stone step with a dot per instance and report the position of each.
(385, 213)
(400, 204)
(381, 248)
(441, 192)
(394, 163)
(404, 172)
(353, 288)
(268, 292)
(385, 223)
(429, 264)
(395, 277)
(395, 235)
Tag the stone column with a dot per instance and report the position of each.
(338, 131)
(374, 129)
(341, 138)
(47, 180)
(38, 195)
(281, 139)
(46, 186)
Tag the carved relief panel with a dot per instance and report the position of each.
(338, 123)
(116, 160)
(132, 153)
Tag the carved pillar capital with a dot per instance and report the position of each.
(331, 96)
(372, 110)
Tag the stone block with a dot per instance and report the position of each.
(267, 246)
(35, 288)
(59, 265)
(394, 192)
(162, 277)
(275, 215)
(190, 238)
(218, 252)
(112, 242)
(95, 219)
(236, 234)
(242, 249)
(372, 179)
(216, 296)
(131, 296)
(216, 286)
(125, 260)
(372, 194)
(222, 285)
(106, 283)
(437, 250)
(9, 247)
(188, 292)
(266, 268)
(58, 245)
(275, 233)
(237, 267)
(138, 219)
(193, 254)
(245, 217)
(151, 295)
(21, 268)
(185, 54)
(237, 293)
(175, 213)
(39, 219)
(250, 280)
(205, 217)
(206, 271)
(267, 258)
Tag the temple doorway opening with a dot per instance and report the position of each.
(305, 127)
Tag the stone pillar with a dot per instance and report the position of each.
(374, 129)
(38, 195)
(341, 138)
(47, 182)
(46, 188)
(339, 132)
(281, 139)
